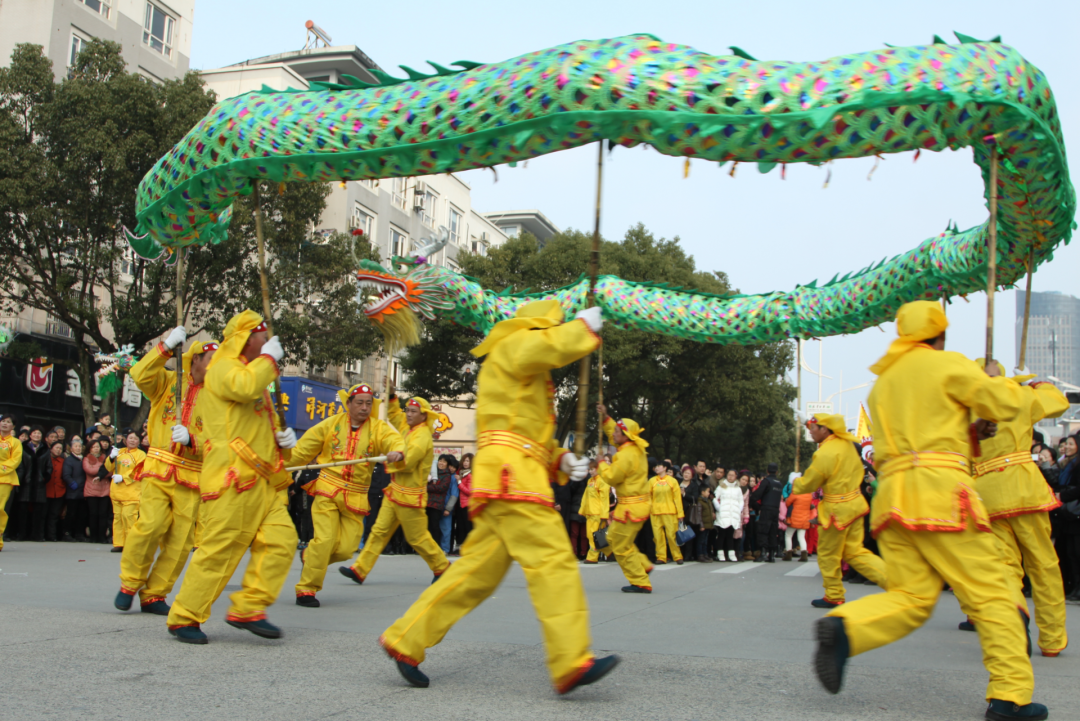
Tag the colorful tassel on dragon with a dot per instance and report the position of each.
(639, 89)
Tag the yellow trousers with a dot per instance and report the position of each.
(337, 536)
(167, 513)
(634, 564)
(663, 531)
(836, 546)
(124, 516)
(1026, 546)
(917, 562)
(592, 525)
(413, 522)
(257, 519)
(506, 531)
(5, 493)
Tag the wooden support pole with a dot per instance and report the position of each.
(798, 396)
(1027, 310)
(261, 241)
(179, 351)
(583, 367)
(991, 252)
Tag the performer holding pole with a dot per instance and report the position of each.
(169, 506)
(931, 526)
(628, 474)
(512, 502)
(405, 499)
(341, 492)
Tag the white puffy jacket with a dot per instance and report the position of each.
(730, 498)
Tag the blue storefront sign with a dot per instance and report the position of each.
(308, 402)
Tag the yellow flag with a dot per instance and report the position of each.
(865, 431)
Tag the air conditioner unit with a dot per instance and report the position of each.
(419, 202)
(420, 188)
(483, 237)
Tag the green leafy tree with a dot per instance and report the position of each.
(697, 401)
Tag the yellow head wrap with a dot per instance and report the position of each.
(237, 332)
(197, 348)
(344, 396)
(834, 422)
(633, 431)
(538, 314)
(981, 362)
(915, 322)
(423, 405)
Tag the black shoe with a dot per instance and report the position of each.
(349, 573)
(436, 577)
(832, 652)
(600, 667)
(636, 589)
(1006, 710)
(189, 634)
(413, 674)
(158, 608)
(770, 558)
(123, 600)
(966, 626)
(115, 549)
(261, 628)
(824, 603)
(307, 601)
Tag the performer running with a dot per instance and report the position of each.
(628, 474)
(1019, 501)
(11, 451)
(930, 524)
(512, 502)
(243, 487)
(596, 507)
(667, 511)
(169, 505)
(405, 499)
(341, 493)
(838, 470)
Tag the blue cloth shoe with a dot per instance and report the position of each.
(1005, 710)
(636, 589)
(261, 628)
(158, 608)
(348, 572)
(123, 600)
(966, 625)
(832, 652)
(600, 667)
(189, 634)
(412, 674)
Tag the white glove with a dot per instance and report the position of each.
(180, 435)
(793, 475)
(575, 467)
(114, 452)
(286, 438)
(117, 478)
(592, 318)
(273, 349)
(176, 337)
(1021, 372)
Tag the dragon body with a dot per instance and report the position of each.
(683, 102)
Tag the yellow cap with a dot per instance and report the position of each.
(915, 322)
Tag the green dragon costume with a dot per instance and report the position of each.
(639, 89)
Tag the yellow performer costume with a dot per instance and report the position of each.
(11, 452)
(126, 493)
(341, 494)
(667, 511)
(628, 474)
(1018, 500)
(837, 468)
(595, 506)
(930, 524)
(243, 488)
(169, 505)
(512, 501)
(405, 499)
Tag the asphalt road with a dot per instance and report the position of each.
(730, 641)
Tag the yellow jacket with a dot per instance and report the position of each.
(334, 440)
(666, 496)
(11, 450)
(920, 406)
(596, 499)
(628, 474)
(128, 463)
(837, 469)
(240, 448)
(167, 460)
(517, 457)
(1008, 481)
(409, 487)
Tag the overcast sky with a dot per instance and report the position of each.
(764, 232)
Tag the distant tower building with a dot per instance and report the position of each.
(1053, 344)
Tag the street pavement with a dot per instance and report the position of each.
(714, 641)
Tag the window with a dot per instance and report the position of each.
(397, 192)
(54, 326)
(399, 242)
(455, 226)
(101, 7)
(127, 262)
(363, 220)
(427, 215)
(77, 45)
(158, 30)
(511, 230)
(371, 184)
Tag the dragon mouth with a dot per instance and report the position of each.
(381, 293)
